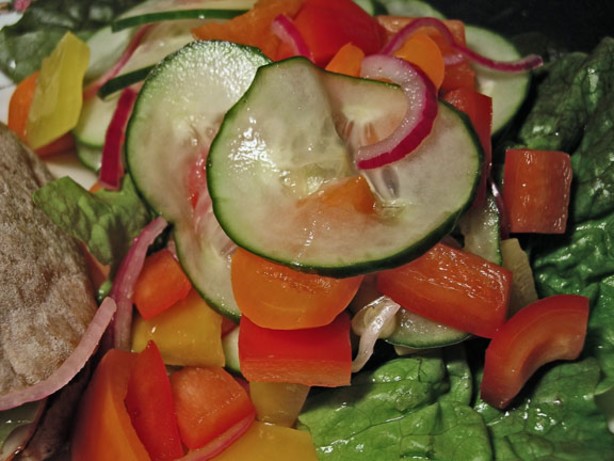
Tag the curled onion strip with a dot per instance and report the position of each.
(383, 312)
(418, 121)
(283, 27)
(127, 274)
(71, 366)
(112, 168)
(522, 65)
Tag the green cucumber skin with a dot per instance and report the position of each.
(418, 332)
(411, 251)
(135, 21)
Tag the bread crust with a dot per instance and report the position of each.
(46, 297)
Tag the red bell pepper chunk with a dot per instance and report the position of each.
(213, 408)
(160, 285)
(536, 190)
(320, 356)
(478, 108)
(149, 401)
(452, 287)
(327, 25)
(549, 329)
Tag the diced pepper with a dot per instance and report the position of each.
(327, 25)
(478, 108)
(161, 284)
(347, 61)
(103, 430)
(188, 334)
(550, 329)
(267, 442)
(420, 49)
(314, 356)
(149, 401)
(253, 27)
(209, 403)
(278, 403)
(536, 190)
(275, 296)
(452, 287)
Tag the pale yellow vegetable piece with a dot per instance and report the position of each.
(523, 284)
(188, 334)
(58, 97)
(268, 442)
(278, 403)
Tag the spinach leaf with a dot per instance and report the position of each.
(410, 408)
(24, 44)
(106, 221)
(558, 421)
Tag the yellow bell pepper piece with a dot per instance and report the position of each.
(278, 403)
(267, 442)
(189, 333)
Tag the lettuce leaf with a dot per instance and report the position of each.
(106, 221)
(24, 44)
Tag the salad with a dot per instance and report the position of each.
(327, 230)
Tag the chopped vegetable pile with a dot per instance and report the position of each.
(328, 229)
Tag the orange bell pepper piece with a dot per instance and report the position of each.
(420, 49)
(347, 61)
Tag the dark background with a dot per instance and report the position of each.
(549, 26)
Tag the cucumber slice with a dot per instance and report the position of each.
(106, 47)
(508, 91)
(481, 229)
(90, 157)
(414, 8)
(175, 117)
(279, 144)
(94, 120)
(162, 40)
(418, 332)
(165, 10)
(230, 344)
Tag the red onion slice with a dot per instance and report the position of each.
(125, 279)
(220, 443)
(418, 121)
(283, 27)
(71, 366)
(92, 88)
(522, 65)
(383, 311)
(111, 168)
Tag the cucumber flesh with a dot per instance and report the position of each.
(418, 332)
(161, 40)
(167, 10)
(507, 90)
(414, 8)
(280, 144)
(90, 157)
(106, 47)
(175, 117)
(94, 120)
(230, 344)
(481, 229)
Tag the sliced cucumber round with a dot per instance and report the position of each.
(481, 229)
(176, 115)
(279, 145)
(166, 10)
(507, 90)
(94, 120)
(106, 47)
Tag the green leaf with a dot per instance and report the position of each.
(406, 409)
(106, 221)
(558, 421)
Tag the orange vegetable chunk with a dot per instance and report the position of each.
(452, 287)
(347, 61)
(421, 50)
(275, 296)
(103, 430)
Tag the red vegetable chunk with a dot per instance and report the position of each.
(452, 287)
(149, 401)
(319, 356)
(552, 328)
(536, 190)
(327, 25)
